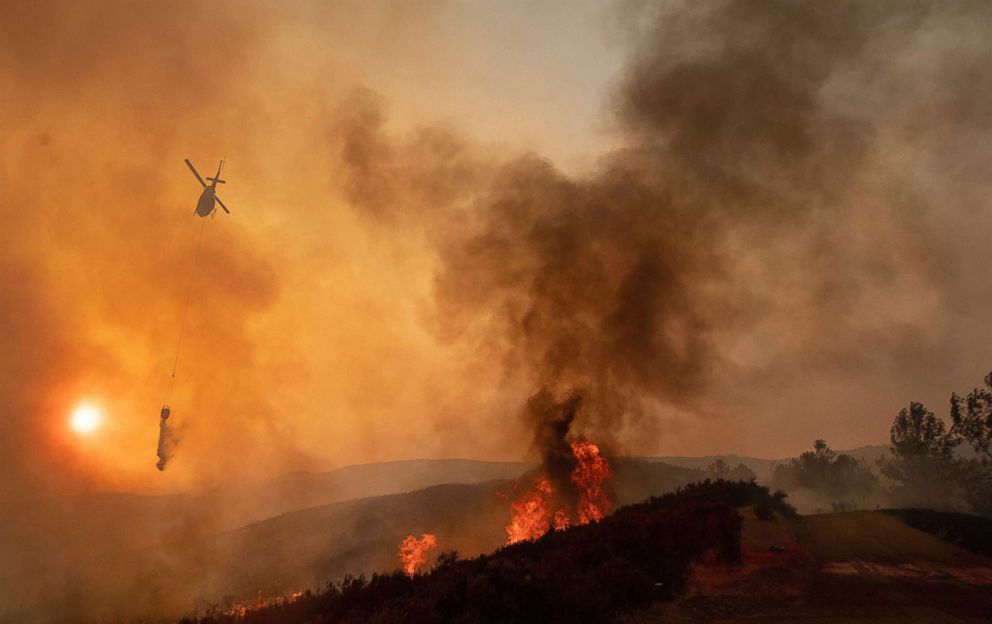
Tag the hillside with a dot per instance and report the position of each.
(860, 566)
(762, 467)
(59, 542)
(588, 573)
(973, 533)
(303, 548)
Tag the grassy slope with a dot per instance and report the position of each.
(973, 533)
(875, 536)
(857, 566)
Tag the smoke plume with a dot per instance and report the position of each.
(606, 290)
(551, 419)
(732, 242)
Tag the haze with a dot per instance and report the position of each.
(435, 207)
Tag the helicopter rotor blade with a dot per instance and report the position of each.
(191, 168)
(222, 204)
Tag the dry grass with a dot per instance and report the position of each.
(841, 567)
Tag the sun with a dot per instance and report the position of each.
(85, 419)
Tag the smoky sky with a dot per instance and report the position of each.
(758, 138)
(782, 239)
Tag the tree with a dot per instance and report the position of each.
(923, 460)
(972, 422)
(722, 470)
(972, 419)
(837, 478)
(977, 478)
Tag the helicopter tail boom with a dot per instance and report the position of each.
(216, 179)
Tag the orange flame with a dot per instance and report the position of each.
(241, 610)
(532, 515)
(590, 472)
(413, 552)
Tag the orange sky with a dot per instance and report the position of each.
(315, 336)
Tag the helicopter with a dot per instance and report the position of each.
(205, 205)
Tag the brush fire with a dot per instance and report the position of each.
(532, 511)
(413, 552)
(242, 609)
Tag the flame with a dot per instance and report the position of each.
(532, 515)
(240, 610)
(590, 472)
(413, 552)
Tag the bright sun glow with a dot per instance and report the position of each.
(85, 419)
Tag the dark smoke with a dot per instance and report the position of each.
(607, 288)
(551, 418)
(167, 440)
(750, 133)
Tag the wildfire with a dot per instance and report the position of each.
(532, 516)
(241, 610)
(590, 471)
(413, 552)
(532, 513)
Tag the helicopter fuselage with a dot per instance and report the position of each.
(208, 198)
(205, 205)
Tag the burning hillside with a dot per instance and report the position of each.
(572, 487)
(542, 508)
(587, 573)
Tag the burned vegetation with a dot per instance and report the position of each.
(639, 554)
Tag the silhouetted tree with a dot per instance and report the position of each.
(839, 478)
(720, 469)
(971, 419)
(922, 463)
(446, 558)
(977, 480)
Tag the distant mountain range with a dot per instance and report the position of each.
(763, 467)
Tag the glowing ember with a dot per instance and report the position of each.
(413, 552)
(590, 472)
(532, 515)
